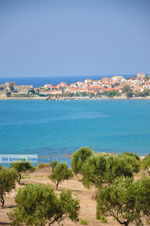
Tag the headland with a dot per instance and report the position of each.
(115, 87)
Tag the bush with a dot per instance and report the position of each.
(42, 165)
(38, 205)
(84, 222)
(102, 219)
(26, 176)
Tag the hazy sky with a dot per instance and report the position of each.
(74, 37)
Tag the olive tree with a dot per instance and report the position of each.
(99, 170)
(126, 200)
(94, 170)
(53, 164)
(38, 205)
(22, 168)
(117, 167)
(146, 162)
(79, 158)
(131, 155)
(60, 173)
(132, 160)
(143, 197)
(118, 201)
(8, 178)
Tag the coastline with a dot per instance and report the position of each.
(106, 154)
(115, 87)
(75, 98)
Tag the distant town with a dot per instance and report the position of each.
(114, 87)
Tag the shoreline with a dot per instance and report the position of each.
(75, 98)
(106, 154)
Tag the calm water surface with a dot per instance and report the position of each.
(55, 128)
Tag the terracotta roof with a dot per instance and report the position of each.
(92, 91)
(108, 89)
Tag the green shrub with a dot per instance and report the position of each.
(103, 220)
(42, 165)
(26, 176)
(84, 222)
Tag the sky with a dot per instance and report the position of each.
(74, 37)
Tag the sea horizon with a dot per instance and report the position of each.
(40, 81)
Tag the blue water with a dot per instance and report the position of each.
(40, 81)
(56, 128)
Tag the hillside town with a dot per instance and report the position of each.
(107, 87)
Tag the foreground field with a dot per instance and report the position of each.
(86, 197)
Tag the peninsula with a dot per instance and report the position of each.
(108, 87)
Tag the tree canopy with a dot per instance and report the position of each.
(117, 167)
(146, 162)
(130, 154)
(94, 170)
(99, 170)
(8, 178)
(22, 168)
(143, 197)
(79, 157)
(131, 161)
(60, 173)
(53, 164)
(126, 200)
(38, 205)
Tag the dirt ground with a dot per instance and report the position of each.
(85, 196)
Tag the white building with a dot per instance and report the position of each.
(141, 75)
(117, 79)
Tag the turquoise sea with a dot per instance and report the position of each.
(53, 129)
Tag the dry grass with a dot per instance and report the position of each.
(87, 203)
